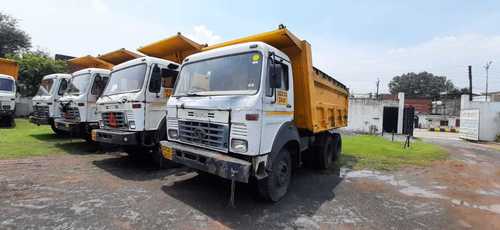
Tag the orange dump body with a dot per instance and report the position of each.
(9, 67)
(174, 48)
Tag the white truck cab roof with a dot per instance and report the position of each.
(57, 75)
(91, 70)
(140, 60)
(233, 49)
(7, 77)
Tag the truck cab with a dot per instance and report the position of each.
(78, 104)
(132, 106)
(45, 102)
(8, 75)
(255, 107)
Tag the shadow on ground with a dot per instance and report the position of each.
(137, 168)
(210, 195)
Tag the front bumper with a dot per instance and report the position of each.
(39, 120)
(115, 137)
(208, 161)
(68, 126)
(6, 113)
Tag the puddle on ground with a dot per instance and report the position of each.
(403, 186)
(411, 190)
(492, 208)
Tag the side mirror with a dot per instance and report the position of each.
(155, 82)
(98, 78)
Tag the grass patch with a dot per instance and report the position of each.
(375, 152)
(27, 139)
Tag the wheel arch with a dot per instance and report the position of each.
(287, 137)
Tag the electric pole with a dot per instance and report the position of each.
(470, 83)
(378, 84)
(487, 68)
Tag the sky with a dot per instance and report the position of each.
(354, 41)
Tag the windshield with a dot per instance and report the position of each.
(126, 80)
(45, 87)
(78, 84)
(6, 84)
(235, 74)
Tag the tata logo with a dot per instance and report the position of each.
(200, 133)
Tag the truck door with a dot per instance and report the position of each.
(278, 100)
(159, 88)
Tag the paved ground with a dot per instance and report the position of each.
(113, 191)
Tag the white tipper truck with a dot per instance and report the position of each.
(8, 75)
(45, 102)
(255, 107)
(132, 106)
(78, 105)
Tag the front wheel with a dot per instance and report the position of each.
(275, 185)
(58, 132)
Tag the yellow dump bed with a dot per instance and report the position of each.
(88, 61)
(9, 67)
(119, 56)
(320, 101)
(174, 48)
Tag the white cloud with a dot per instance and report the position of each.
(359, 67)
(202, 34)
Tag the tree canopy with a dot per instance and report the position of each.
(422, 84)
(33, 66)
(12, 39)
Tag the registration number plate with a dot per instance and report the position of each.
(166, 152)
(93, 135)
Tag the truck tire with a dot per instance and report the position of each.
(275, 185)
(337, 139)
(158, 159)
(58, 132)
(11, 122)
(325, 151)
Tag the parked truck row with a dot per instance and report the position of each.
(252, 108)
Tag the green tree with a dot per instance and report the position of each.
(422, 84)
(33, 65)
(12, 39)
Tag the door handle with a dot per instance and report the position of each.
(289, 106)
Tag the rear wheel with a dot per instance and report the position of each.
(275, 185)
(326, 150)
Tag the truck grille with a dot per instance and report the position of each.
(115, 120)
(72, 114)
(203, 133)
(5, 107)
(41, 111)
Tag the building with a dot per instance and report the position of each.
(480, 120)
(370, 115)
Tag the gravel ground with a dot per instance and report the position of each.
(114, 191)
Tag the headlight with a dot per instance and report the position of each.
(238, 145)
(173, 133)
(131, 124)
